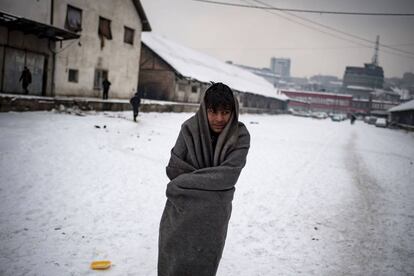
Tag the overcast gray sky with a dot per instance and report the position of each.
(252, 36)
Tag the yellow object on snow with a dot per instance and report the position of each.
(101, 264)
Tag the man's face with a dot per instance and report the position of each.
(218, 119)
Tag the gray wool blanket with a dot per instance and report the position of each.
(194, 223)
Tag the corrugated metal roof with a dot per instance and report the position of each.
(204, 68)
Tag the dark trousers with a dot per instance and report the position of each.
(135, 114)
(24, 86)
(105, 94)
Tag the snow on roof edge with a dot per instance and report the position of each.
(203, 68)
(403, 107)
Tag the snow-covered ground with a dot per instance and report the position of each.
(315, 198)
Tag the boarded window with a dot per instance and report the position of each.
(73, 19)
(104, 30)
(73, 75)
(100, 75)
(129, 35)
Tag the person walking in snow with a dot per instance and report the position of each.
(135, 102)
(105, 84)
(26, 79)
(353, 118)
(206, 161)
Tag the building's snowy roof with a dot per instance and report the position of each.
(402, 107)
(204, 68)
(316, 93)
(356, 87)
(335, 82)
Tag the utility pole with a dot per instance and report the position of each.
(375, 57)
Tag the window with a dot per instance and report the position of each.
(73, 19)
(100, 75)
(73, 75)
(104, 30)
(181, 87)
(129, 35)
(194, 89)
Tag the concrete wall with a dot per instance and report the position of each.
(37, 10)
(120, 59)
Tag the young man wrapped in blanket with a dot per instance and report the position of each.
(205, 164)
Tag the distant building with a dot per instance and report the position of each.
(372, 106)
(385, 95)
(280, 66)
(358, 92)
(408, 80)
(405, 94)
(370, 76)
(71, 46)
(172, 72)
(336, 103)
(265, 73)
(325, 83)
(403, 86)
(278, 74)
(319, 101)
(361, 106)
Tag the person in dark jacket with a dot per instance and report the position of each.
(205, 164)
(105, 84)
(353, 118)
(135, 102)
(26, 79)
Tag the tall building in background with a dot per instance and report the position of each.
(265, 73)
(362, 81)
(280, 66)
(369, 76)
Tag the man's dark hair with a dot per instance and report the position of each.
(219, 96)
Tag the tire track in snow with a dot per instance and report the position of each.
(367, 233)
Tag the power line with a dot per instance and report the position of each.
(284, 48)
(313, 28)
(398, 51)
(305, 11)
(270, 9)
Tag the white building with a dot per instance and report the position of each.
(280, 66)
(71, 45)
